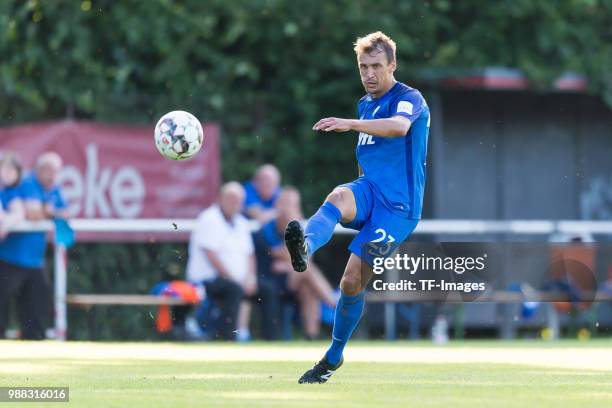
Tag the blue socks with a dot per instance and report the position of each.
(321, 226)
(348, 313)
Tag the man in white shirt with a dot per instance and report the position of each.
(221, 256)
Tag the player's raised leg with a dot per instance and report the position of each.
(348, 313)
(338, 206)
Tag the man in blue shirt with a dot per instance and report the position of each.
(22, 253)
(384, 204)
(261, 194)
(42, 195)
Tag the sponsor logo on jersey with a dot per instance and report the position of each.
(365, 139)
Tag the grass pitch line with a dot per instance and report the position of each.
(573, 357)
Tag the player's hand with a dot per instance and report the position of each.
(333, 125)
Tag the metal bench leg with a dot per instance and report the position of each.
(390, 321)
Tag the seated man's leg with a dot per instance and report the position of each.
(320, 285)
(270, 304)
(227, 294)
(310, 311)
(243, 332)
(179, 316)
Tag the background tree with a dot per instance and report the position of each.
(268, 69)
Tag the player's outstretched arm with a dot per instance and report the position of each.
(396, 126)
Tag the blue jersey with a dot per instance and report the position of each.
(27, 249)
(252, 197)
(271, 235)
(8, 194)
(396, 166)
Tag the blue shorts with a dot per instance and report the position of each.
(380, 229)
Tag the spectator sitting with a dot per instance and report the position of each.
(21, 254)
(221, 256)
(310, 286)
(261, 194)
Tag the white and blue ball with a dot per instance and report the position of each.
(178, 135)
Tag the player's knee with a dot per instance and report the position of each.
(350, 284)
(339, 198)
(336, 197)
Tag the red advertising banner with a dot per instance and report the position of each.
(115, 171)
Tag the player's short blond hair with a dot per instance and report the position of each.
(377, 41)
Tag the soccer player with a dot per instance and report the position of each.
(384, 203)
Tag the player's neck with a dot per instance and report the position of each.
(386, 89)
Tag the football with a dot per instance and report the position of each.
(178, 135)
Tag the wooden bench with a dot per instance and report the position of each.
(88, 301)
(122, 300)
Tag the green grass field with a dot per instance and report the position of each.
(416, 374)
